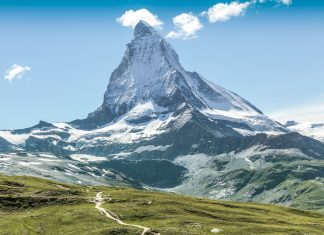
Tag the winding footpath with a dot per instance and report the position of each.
(99, 200)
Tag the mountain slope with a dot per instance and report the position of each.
(35, 206)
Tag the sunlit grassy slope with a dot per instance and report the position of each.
(36, 206)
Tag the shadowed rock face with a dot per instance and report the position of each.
(6, 146)
(40, 126)
(156, 173)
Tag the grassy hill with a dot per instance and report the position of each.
(31, 205)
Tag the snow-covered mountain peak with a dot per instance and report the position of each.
(149, 48)
(150, 72)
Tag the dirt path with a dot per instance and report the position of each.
(99, 201)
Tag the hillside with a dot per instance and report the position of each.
(31, 205)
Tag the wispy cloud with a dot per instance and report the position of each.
(304, 113)
(16, 72)
(221, 12)
(186, 26)
(131, 18)
(285, 2)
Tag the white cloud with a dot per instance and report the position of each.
(16, 72)
(186, 26)
(225, 11)
(286, 2)
(131, 18)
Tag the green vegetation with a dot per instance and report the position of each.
(298, 184)
(31, 205)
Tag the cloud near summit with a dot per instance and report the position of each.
(131, 18)
(186, 26)
(225, 11)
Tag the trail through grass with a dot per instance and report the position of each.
(99, 200)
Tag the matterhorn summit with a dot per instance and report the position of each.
(150, 72)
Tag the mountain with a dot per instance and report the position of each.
(313, 130)
(162, 127)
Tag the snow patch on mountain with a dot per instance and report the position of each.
(14, 138)
(149, 148)
(258, 123)
(86, 158)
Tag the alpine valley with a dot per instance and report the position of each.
(163, 128)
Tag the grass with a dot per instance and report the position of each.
(36, 206)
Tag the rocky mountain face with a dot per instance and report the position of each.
(161, 126)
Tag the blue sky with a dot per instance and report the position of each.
(272, 54)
